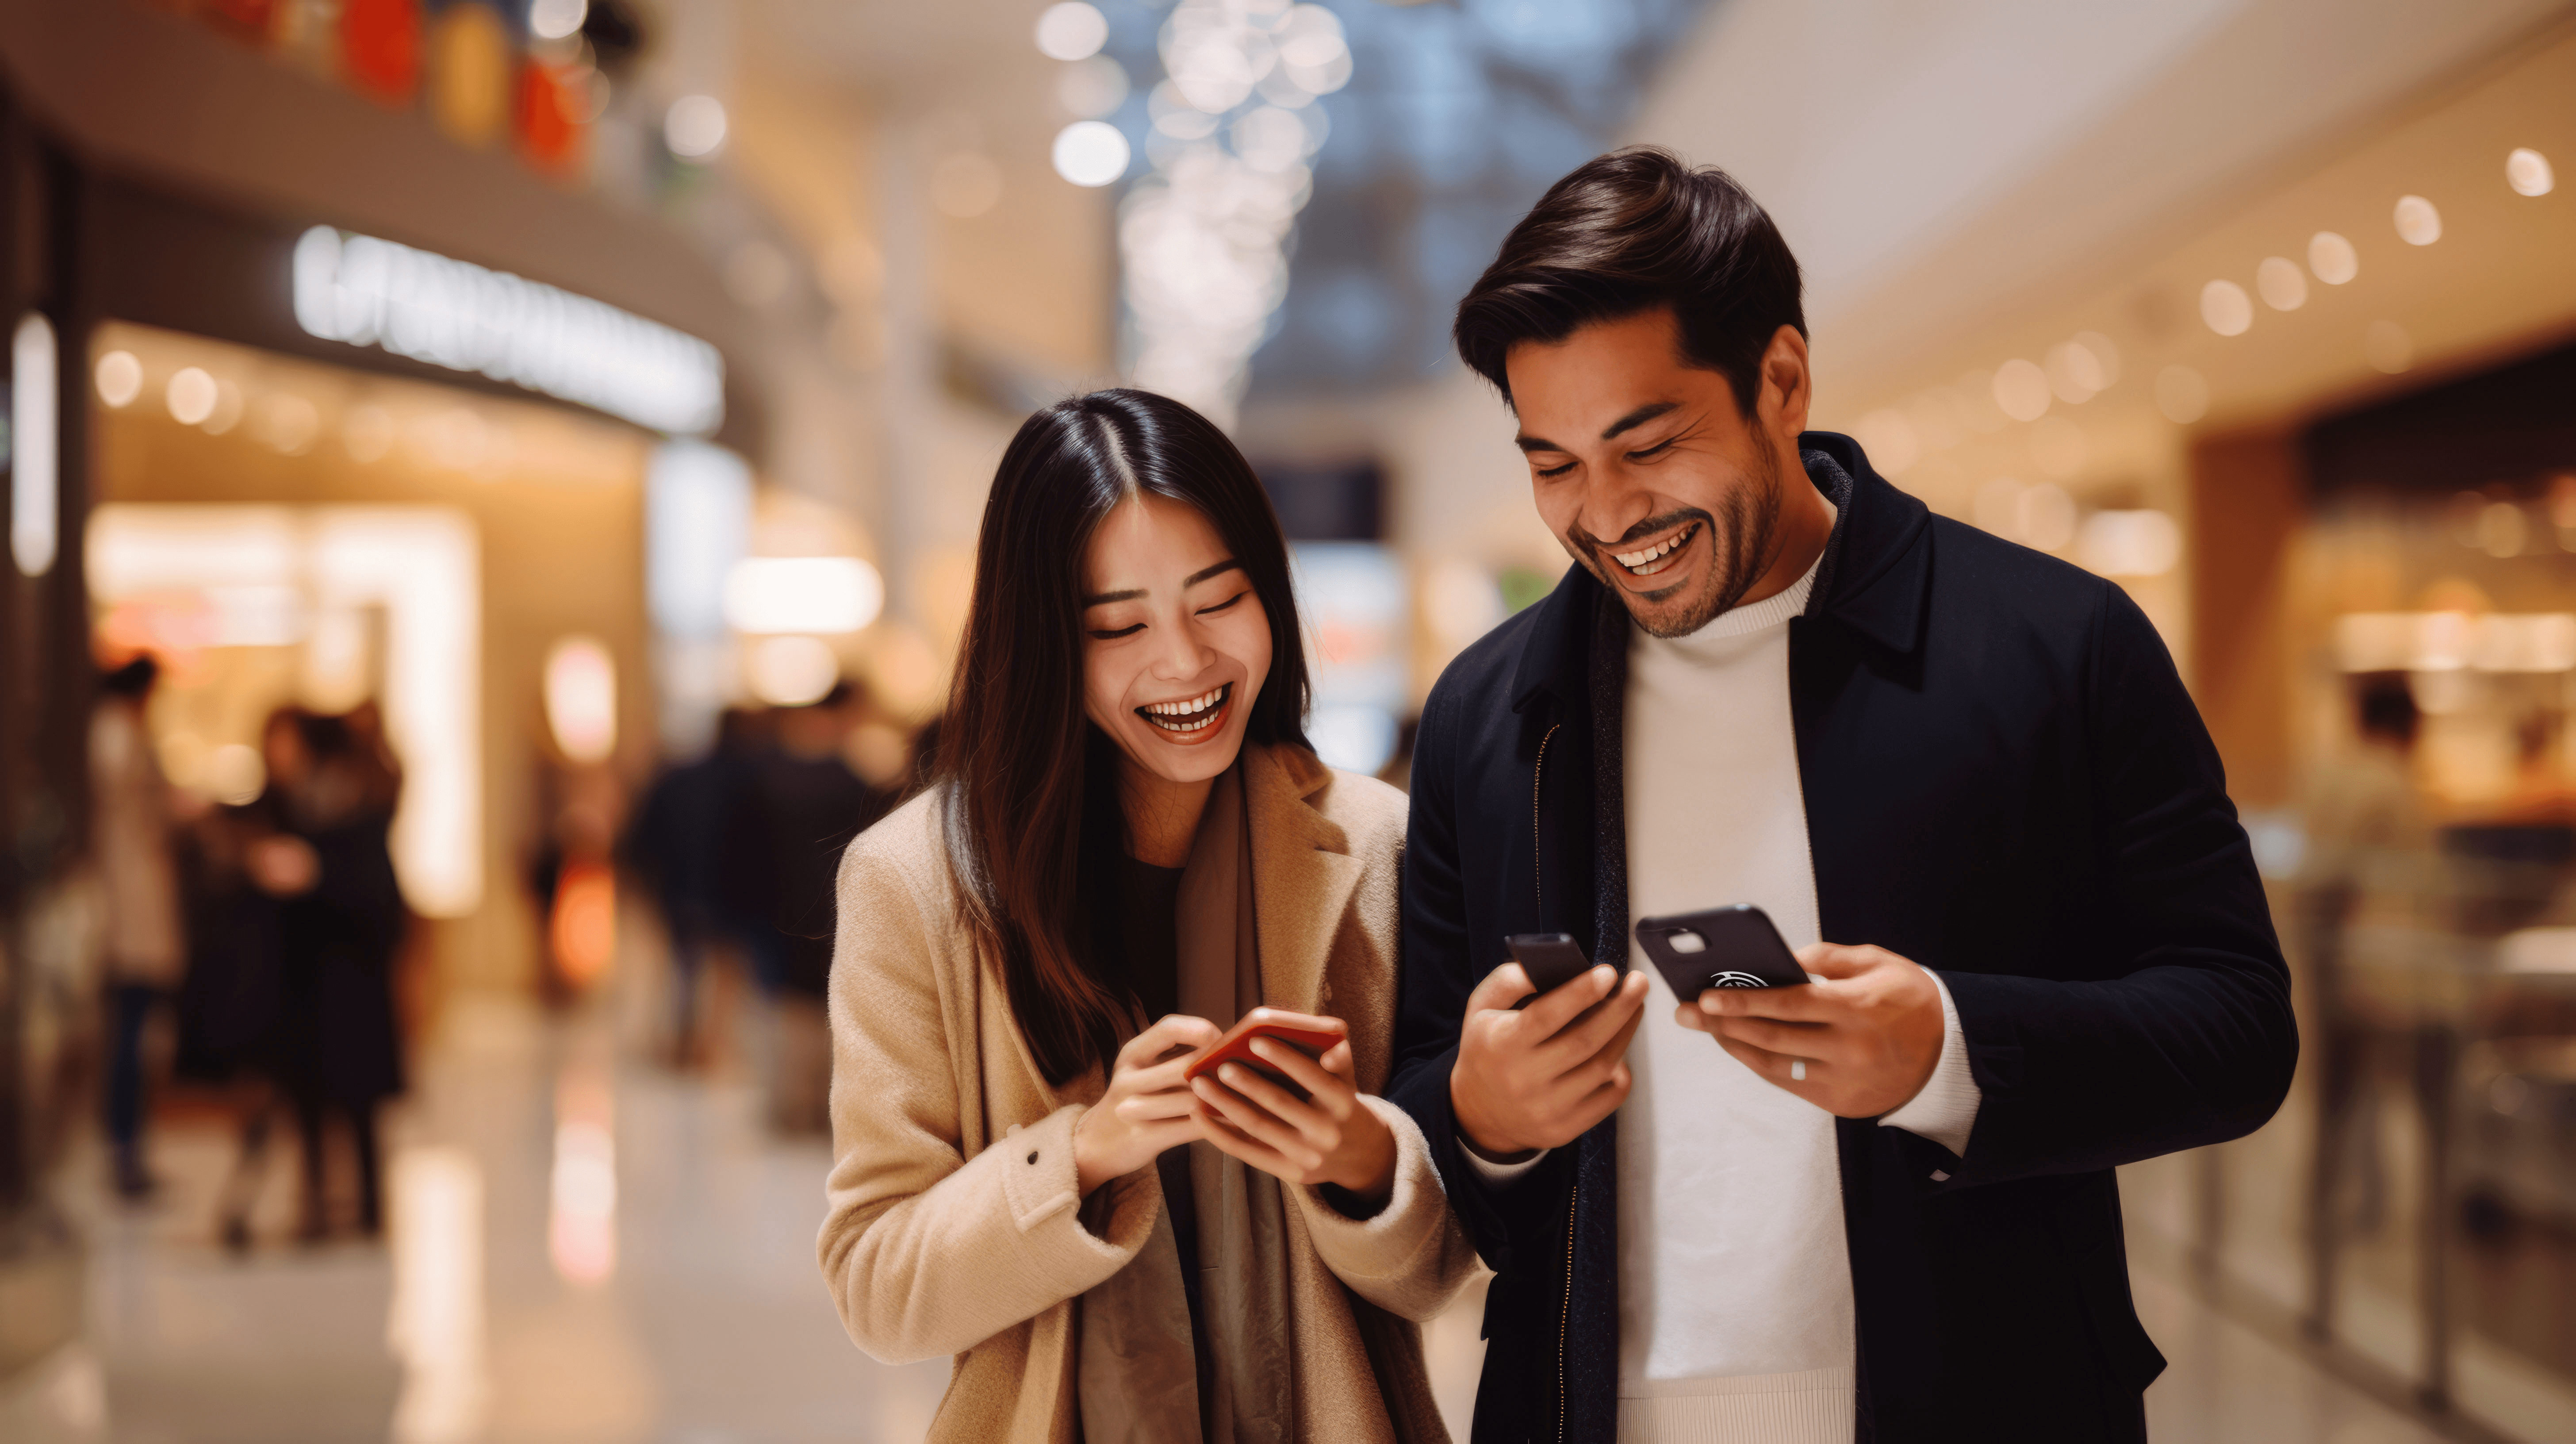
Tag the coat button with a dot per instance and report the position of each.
(1033, 1158)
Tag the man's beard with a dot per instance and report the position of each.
(1739, 551)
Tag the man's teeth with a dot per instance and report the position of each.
(1157, 712)
(1650, 561)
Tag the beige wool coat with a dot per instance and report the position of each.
(954, 1223)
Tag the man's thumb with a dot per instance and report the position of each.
(1501, 988)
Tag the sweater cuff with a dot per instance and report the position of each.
(1945, 1110)
(1496, 1175)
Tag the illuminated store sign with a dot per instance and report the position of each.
(450, 313)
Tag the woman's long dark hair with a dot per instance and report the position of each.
(1029, 803)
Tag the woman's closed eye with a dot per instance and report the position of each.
(1228, 602)
(1129, 630)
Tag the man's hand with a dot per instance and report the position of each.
(1538, 1077)
(1866, 1035)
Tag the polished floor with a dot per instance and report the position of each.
(586, 1247)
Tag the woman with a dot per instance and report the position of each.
(1126, 825)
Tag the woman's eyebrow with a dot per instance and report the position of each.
(1192, 580)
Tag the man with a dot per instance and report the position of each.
(1961, 777)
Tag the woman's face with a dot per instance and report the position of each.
(1175, 642)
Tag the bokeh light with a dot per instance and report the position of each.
(2332, 259)
(556, 19)
(1090, 153)
(120, 378)
(190, 395)
(1090, 89)
(2528, 172)
(2283, 285)
(2225, 308)
(2182, 394)
(2419, 223)
(2388, 347)
(2021, 390)
(1071, 30)
(694, 127)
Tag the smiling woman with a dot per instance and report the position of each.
(1129, 848)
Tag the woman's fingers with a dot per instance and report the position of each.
(1171, 1031)
(1261, 1126)
(1330, 1088)
(1314, 1123)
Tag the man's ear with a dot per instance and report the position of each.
(1787, 386)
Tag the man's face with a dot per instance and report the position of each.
(1647, 472)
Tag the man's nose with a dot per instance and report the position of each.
(1610, 507)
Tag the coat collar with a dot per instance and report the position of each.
(1302, 872)
(1876, 563)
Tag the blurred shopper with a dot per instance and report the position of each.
(1127, 826)
(676, 848)
(130, 834)
(340, 921)
(1885, 1195)
(804, 805)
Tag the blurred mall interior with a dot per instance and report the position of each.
(560, 426)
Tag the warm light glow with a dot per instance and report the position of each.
(1313, 51)
(1889, 439)
(581, 699)
(2535, 642)
(581, 1220)
(229, 406)
(2283, 285)
(2332, 259)
(694, 127)
(2021, 389)
(190, 395)
(421, 566)
(235, 775)
(583, 930)
(435, 1323)
(35, 481)
(120, 378)
(1090, 153)
(1071, 31)
(2418, 223)
(414, 303)
(2129, 543)
(2047, 517)
(2074, 372)
(2182, 394)
(810, 595)
(2387, 347)
(2059, 446)
(791, 671)
(2225, 308)
(2528, 172)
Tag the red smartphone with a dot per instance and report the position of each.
(1314, 1034)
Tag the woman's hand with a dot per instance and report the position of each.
(1327, 1137)
(1147, 1108)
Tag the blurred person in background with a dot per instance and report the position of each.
(319, 849)
(1886, 1194)
(804, 805)
(130, 834)
(1129, 845)
(675, 846)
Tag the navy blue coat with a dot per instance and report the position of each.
(2005, 782)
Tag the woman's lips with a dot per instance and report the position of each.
(1190, 719)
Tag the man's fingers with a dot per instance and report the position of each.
(1793, 1040)
(1608, 1026)
(1838, 960)
(1501, 988)
(1814, 1003)
(1775, 1068)
(1567, 1001)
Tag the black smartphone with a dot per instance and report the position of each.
(1550, 959)
(1729, 947)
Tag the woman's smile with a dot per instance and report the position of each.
(1191, 719)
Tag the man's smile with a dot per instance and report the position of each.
(1656, 557)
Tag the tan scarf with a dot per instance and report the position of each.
(1137, 1377)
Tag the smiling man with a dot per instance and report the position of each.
(1961, 777)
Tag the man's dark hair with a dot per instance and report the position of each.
(1632, 231)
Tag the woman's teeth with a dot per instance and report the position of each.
(1187, 716)
(1652, 560)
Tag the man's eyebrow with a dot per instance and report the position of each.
(1639, 417)
(1632, 420)
(1193, 579)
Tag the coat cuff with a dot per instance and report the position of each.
(1398, 1240)
(1945, 1110)
(1043, 1194)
